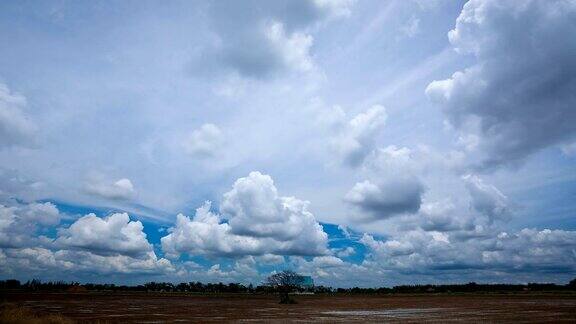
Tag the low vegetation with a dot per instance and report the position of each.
(11, 314)
(272, 286)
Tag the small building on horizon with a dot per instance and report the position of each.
(307, 282)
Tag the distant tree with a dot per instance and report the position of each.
(285, 282)
(10, 284)
(572, 284)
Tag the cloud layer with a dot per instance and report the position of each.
(527, 251)
(132, 156)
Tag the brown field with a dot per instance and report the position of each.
(177, 308)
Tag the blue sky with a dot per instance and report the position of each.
(360, 142)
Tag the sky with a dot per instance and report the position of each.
(363, 143)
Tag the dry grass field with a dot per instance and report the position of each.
(181, 308)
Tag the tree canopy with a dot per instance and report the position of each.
(285, 282)
(286, 278)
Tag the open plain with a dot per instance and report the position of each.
(105, 307)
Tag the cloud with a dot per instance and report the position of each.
(38, 261)
(486, 198)
(203, 142)
(411, 28)
(387, 199)
(243, 270)
(520, 95)
(13, 185)
(426, 187)
(569, 149)
(15, 126)
(254, 208)
(122, 189)
(270, 259)
(422, 189)
(259, 222)
(390, 159)
(327, 261)
(19, 224)
(267, 57)
(345, 252)
(427, 5)
(356, 138)
(532, 249)
(110, 245)
(393, 184)
(330, 269)
(205, 234)
(112, 235)
(444, 216)
(40, 213)
(527, 251)
(261, 43)
(293, 50)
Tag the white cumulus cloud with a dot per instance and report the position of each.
(114, 234)
(259, 222)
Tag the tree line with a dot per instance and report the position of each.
(199, 287)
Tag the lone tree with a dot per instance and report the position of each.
(285, 282)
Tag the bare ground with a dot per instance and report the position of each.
(181, 308)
